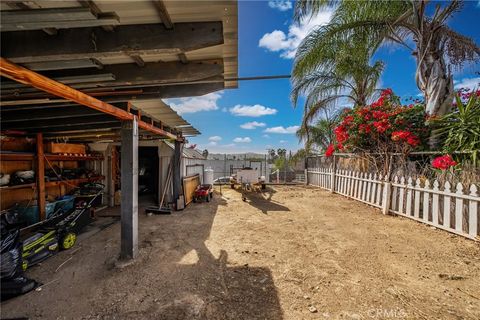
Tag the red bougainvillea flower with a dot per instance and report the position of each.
(348, 120)
(341, 134)
(413, 140)
(379, 115)
(400, 135)
(381, 126)
(443, 162)
(330, 150)
(387, 92)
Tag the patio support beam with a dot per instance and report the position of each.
(28, 77)
(129, 190)
(176, 179)
(143, 39)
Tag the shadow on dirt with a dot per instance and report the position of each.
(262, 200)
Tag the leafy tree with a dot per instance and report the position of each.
(436, 46)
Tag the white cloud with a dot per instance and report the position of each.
(252, 125)
(242, 140)
(215, 138)
(282, 141)
(468, 83)
(287, 44)
(195, 104)
(281, 129)
(266, 136)
(230, 145)
(252, 111)
(212, 143)
(282, 5)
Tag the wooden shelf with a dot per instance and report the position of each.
(19, 156)
(59, 157)
(16, 156)
(72, 181)
(53, 183)
(19, 186)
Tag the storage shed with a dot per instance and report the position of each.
(79, 72)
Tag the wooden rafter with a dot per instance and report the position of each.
(28, 77)
(163, 13)
(81, 43)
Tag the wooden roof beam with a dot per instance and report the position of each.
(127, 75)
(136, 39)
(163, 13)
(58, 18)
(28, 77)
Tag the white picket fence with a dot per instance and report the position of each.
(453, 210)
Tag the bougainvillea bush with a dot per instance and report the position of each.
(383, 127)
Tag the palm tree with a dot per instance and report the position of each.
(434, 43)
(338, 74)
(319, 135)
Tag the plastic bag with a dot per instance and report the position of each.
(11, 256)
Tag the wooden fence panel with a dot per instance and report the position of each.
(436, 206)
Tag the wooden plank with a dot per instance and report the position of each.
(401, 196)
(41, 15)
(435, 204)
(40, 172)
(189, 186)
(426, 201)
(447, 206)
(76, 43)
(106, 19)
(473, 212)
(416, 206)
(163, 13)
(459, 209)
(408, 209)
(25, 76)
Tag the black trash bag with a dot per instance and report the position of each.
(17, 286)
(11, 255)
(13, 283)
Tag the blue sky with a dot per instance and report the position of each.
(258, 114)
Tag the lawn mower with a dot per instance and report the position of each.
(60, 230)
(203, 192)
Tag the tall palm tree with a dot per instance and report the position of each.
(338, 74)
(435, 46)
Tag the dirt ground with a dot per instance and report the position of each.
(289, 253)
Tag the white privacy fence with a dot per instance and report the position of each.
(454, 209)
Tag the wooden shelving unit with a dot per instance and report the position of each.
(25, 156)
(39, 162)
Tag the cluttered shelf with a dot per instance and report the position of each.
(73, 181)
(53, 183)
(18, 156)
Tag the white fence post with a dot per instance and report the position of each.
(306, 177)
(387, 196)
(332, 177)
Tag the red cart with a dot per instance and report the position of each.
(203, 192)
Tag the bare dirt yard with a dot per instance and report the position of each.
(288, 253)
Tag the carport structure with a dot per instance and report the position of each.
(79, 70)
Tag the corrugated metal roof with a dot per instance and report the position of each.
(163, 112)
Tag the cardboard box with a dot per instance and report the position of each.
(53, 147)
